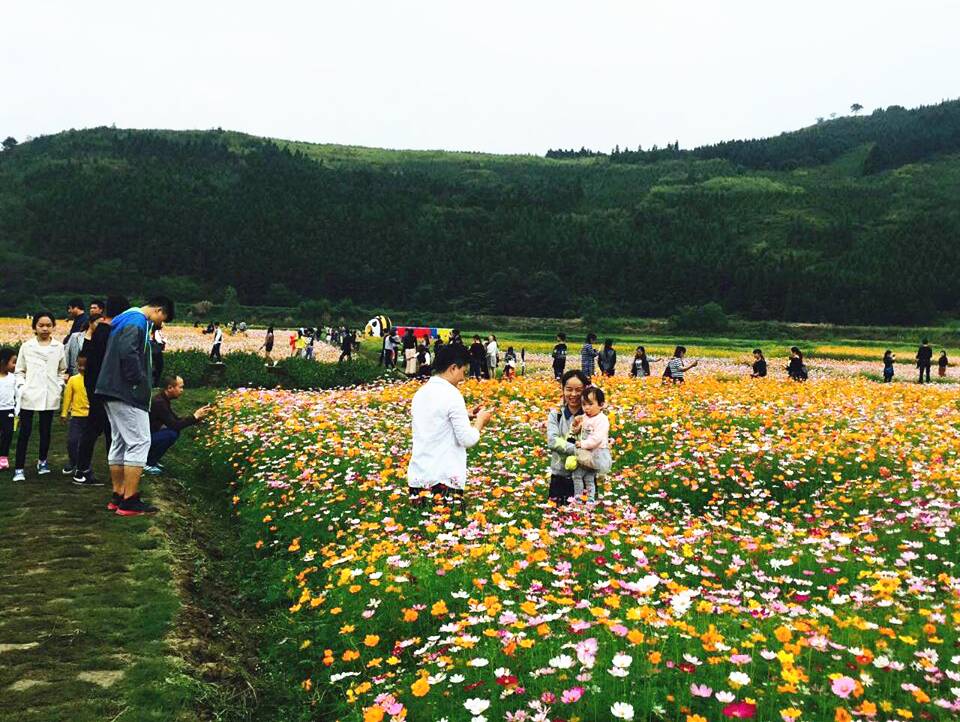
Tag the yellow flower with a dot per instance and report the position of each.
(372, 714)
(371, 640)
(420, 687)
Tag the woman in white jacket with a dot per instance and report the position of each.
(41, 373)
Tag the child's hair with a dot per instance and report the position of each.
(591, 337)
(608, 343)
(758, 352)
(562, 336)
(81, 357)
(41, 314)
(5, 355)
(596, 392)
(679, 350)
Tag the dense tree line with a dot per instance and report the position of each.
(191, 213)
(897, 136)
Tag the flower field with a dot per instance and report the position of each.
(183, 338)
(761, 550)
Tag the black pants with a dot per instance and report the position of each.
(96, 424)
(924, 367)
(157, 368)
(74, 434)
(561, 489)
(215, 353)
(345, 354)
(6, 431)
(558, 368)
(26, 428)
(476, 369)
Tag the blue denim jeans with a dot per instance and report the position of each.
(160, 443)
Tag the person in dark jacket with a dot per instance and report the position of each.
(942, 363)
(759, 365)
(125, 386)
(640, 366)
(94, 347)
(559, 355)
(888, 358)
(165, 425)
(478, 356)
(77, 315)
(924, 360)
(796, 369)
(607, 360)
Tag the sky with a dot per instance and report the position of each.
(501, 77)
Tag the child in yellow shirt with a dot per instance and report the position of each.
(76, 406)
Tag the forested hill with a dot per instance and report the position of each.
(846, 221)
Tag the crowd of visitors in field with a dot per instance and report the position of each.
(577, 433)
(101, 373)
(101, 376)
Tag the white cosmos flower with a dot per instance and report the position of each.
(476, 706)
(457, 678)
(725, 697)
(740, 678)
(622, 660)
(622, 710)
(501, 672)
(562, 661)
(619, 671)
(478, 662)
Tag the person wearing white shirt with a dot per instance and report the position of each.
(215, 356)
(493, 356)
(442, 431)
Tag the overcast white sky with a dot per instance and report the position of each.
(507, 77)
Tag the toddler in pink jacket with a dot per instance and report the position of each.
(593, 446)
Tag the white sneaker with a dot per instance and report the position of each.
(18, 475)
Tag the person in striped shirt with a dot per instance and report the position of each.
(588, 355)
(676, 367)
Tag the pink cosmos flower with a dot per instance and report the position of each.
(587, 651)
(700, 690)
(571, 695)
(843, 686)
(740, 710)
(740, 658)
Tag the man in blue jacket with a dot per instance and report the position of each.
(124, 385)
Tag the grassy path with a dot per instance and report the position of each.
(100, 615)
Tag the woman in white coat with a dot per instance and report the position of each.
(41, 373)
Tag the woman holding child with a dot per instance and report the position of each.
(559, 424)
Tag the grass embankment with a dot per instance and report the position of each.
(110, 618)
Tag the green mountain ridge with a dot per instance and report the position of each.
(767, 228)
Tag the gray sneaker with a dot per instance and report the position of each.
(152, 470)
(43, 468)
(18, 475)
